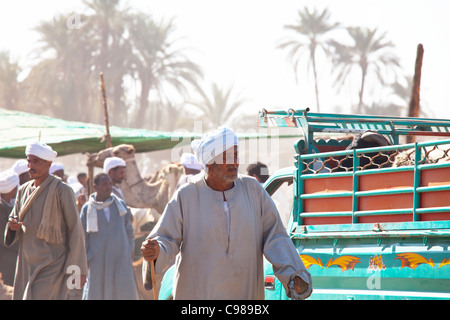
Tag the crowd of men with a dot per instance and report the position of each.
(60, 243)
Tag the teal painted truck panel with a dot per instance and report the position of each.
(367, 268)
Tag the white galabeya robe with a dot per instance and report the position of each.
(211, 264)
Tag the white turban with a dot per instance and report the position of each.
(8, 181)
(20, 166)
(113, 162)
(56, 166)
(189, 161)
(41, 150)
(213, 144)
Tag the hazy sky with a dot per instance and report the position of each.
(235, 42)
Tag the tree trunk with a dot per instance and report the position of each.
(141, 118)
(414, 103)
(316, 84)
(361, 92)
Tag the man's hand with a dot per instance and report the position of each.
(14, 224)
(300, 286)
(150, 250)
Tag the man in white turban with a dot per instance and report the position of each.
(213, 144)
(115, 167)
(221, 225)
(57, 169)
(46, 224)
(109, 240)
(21, 168)
(9, 182)
(191, 167)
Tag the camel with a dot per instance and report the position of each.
(433, 154)
(139, 193)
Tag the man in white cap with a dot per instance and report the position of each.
(9, 182)
(21, 168)
(57, 169)
(222, 225)
(46, 224)
(115, 167)
(191, 167)
(109, 240)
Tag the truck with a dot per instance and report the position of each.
(368, 221)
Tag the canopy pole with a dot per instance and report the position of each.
(90, 165)
(105, 109)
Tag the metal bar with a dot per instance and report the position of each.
(433, 210)
(416, 196)
(299, 187)
(383, 212)
(326, 214)
(372, 234)
(433, 188)
(383, 192)
(326, 195)
(355, 183)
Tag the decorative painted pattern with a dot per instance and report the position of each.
(408, 260)
(413, 260)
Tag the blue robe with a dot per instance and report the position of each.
(111, 274)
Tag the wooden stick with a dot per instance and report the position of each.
(105, 109)
(414, 103)
(152, 271)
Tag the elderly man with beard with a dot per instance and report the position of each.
(222, 225)
(46, 224)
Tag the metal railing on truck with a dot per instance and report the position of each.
(325, 192)
(311, 124)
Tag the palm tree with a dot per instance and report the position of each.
(369, 52)
(311, 33)
(62, 82)
(107, 29)
(160, 66)
(121, 43)
(220, 107)
(402, 91)
(9, 84)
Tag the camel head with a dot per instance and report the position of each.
(124, 151)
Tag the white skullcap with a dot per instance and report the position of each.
(190, 161)
(8, 181)
(213, 144)
(20, 166)
(41, 150)
(113, 162)
(56, 166)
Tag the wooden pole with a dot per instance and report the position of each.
(414, 103)
(105, 109)
(90, 180)
(152, 271)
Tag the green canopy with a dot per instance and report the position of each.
(17, 129)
